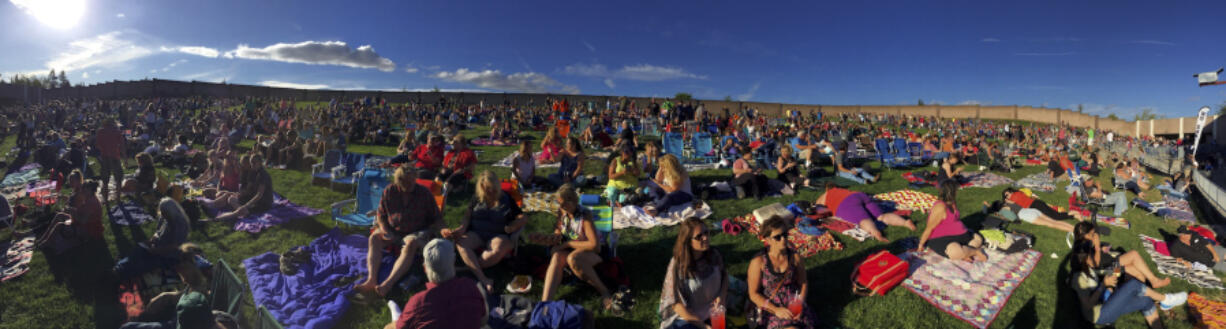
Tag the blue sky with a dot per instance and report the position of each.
(1112, 57)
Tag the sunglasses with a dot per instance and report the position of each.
(779, 237)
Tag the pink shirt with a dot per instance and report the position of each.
(951, 225)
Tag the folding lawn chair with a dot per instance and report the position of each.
(673, 144)
(264, 320)
(323, 170)
(354, 163)
(703, 150)
(227, 289)
(365, 202)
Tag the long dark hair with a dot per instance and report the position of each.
(683, 253)
(948, 192)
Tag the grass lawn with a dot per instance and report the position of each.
(59, 293)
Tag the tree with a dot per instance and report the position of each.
(1147, 114)
(64, 80)
(1112, 116)
(683, 97)
(435, 89)
(921, 102)
(727, 98)
(52, 80)
(1081, 109)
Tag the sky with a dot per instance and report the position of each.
(1116, 57)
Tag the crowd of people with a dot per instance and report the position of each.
(200, 136)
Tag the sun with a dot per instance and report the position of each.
(59, 14)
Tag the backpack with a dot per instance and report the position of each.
(512, 312)
(556, 315)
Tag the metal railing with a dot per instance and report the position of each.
(1212, 192)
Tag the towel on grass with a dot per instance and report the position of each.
(846, 228)
(130, 214)
(20, 178)
(908, 200)
(1167, 265)
(510, 158)
(15, 261)
(1116, 221)
(985, 179)
(282, 211)
(315, 297)
(539, 202)
(972, 292)
(634, 216)
(805, 245)
(1038, 181)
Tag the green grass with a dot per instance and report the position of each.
(77, 299)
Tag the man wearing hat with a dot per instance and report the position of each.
(1191, 247)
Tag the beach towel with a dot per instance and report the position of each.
(1038, 181)
(1115, 221)
(510, 158)
(634, 216)
(282, 212)
(908, 200)
(1206, 313)
(130, 214)
(985, 179)
(20, 178)
(1167, 265)
(15, 261)
(805, 245)
(845, 228)
(972, 292)
(315, 296)
(539, 202)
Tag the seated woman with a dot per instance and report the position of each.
(623, 175)
(845, 170)
(673, 183)
(1094, 191)
(577, 245)
(949, 170)
(650, 159)
(789, 169)
(1092, 282)
(255, 195)
(163, 249)
(747, 177)
(404, 151)
(859, 209)
(777, 281)
(84, 222)
(1133, 264)
(570, 168)
(191, 270)
(523, 167)
(1093, 165)
(291, 155)
(945, 234)
(458, 164)
(491, 224)
(695, 281)
(1131, 183)
(407, 217)
(551, 147)
(146, 175)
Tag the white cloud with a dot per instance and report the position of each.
(989, 40)
(173, 64)
(1153, 42)
(530, 82)
(102, 50)
(60, 14)
(411, 69)
(194, 50)
(317, 53)
(640, 72)
(282, 84)
(120, 15)
(84, 75)
(749, 94)
(609, 83)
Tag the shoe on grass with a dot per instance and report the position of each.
(1173, 300)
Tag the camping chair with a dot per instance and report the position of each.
(673, 144)
(323, 170)
(353, 165)
(227, 290)
(366, 201)
(901, 155)
(264, 319)
(884, 155)
(604, 228)
(916, 149)
(703, 150)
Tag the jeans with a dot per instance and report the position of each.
(1120, 200)
(1127, 298)
(673, 199)
(858, 175)
(681, 324)
(556, 180)
(1168, 190)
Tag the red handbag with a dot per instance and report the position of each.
(879, 273)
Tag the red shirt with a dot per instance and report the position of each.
(455, 303)
(1021, 199)
(459, 162)
(408, 211)
(110, 143)
(428, 157)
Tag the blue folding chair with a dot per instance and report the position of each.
(703, 150)
(885, 155)
(323, 170)
(353, 164)
(369, 192)
(673, 144)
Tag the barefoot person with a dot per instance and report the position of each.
(859, 209)
(579, 246)
(945, 234)
(407, 217)
(492, 221)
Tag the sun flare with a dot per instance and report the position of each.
(59, 14)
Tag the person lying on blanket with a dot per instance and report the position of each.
(448, 301)
(1015, 197)
(695, 281)
(1177, 187)
(163, 249)
(1191, 247)
(407, 217)
(492, 224)
(255, 195)
(945, 234)
(1086, 233)
(575, 245)
(1092, 283)
(776, 278)
(859, 209)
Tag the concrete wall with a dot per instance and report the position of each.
(168, 88)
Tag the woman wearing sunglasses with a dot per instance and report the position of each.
(696, 280)
(777, 282)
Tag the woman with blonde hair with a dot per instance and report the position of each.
(492, 223)
(576, 245)
(675, 184)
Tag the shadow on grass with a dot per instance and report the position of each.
(86, 272)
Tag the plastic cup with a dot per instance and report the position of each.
(796, 305)
(717, 317)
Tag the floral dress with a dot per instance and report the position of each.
(779, 289)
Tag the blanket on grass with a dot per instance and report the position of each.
(1207, 313)
(845, 228)
(1167, 265)
(16, 259)
(539, 202)
(510, 158)
(1116, 221)
(985, 179)
(972, 292)
(130, 214)
(634, 216)
(315, 297)
(908, 200)
(1038, 182)
(805, 245)
(21, 177)
(492, 142)
(282, 212)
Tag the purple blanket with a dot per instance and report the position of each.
(282, 211)
(310, 298)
